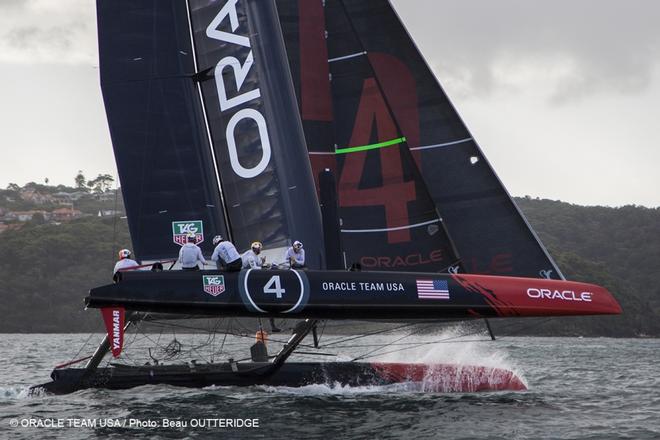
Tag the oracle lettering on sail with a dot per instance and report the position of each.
(239, 72)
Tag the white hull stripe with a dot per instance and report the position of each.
(346, 57)
(417, 225)
(446, 144)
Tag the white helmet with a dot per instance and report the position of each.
(297, 245)
(217, 239)
(124, 253)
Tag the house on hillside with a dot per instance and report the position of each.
(5, 227)
(62, 198)
(65, 214)
(107, 196)
(25, 216)
(34, 196)
(77, 195)
(109, 213)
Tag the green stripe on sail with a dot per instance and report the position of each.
(370, 147)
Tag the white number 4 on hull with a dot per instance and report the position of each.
(277, 290)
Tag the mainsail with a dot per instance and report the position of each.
(357, 71)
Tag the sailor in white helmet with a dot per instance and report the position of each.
(124, 262)
(225, 255)
(190, 254)
(295, 256)
(252, 258)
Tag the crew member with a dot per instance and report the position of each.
(225, 255)
(124, 262)
(252, 258)
(295, 256)
(190, 254)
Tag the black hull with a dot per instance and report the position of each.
(350, 295)
(434, 378)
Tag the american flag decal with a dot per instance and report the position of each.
(432, 289)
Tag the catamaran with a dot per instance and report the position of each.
(310, 120)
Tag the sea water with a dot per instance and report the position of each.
(579, 388)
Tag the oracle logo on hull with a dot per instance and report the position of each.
(563, 295)
(240, 72)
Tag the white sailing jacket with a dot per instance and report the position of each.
(299, 257)
(226, 252)
(252, 260)
(189, 255)
(124, 263)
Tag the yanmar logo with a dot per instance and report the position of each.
(116, 330)
(239, 71)
(563, 295)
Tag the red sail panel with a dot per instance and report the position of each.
(315, 90)
(389, 221)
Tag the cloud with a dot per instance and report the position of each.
(577, 48)
(55, 32)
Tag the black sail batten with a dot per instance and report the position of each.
(489, 231)
(256, 131)
(156, 123)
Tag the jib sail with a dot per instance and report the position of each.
(258, 141)
(157, 124)
(341, 39)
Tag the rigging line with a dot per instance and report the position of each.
(415, 331)
(397, 228)
(364, 335)
(444, 144)
(419, 344)
(371, 146)
(83, 346)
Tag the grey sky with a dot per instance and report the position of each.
(563, 96)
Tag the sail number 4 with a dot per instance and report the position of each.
(274, 285)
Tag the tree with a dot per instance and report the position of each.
(37, 219)
(101, 184)
(13, 187)
(80, 181)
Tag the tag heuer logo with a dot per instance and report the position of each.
(180, 231)
(213, 284)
